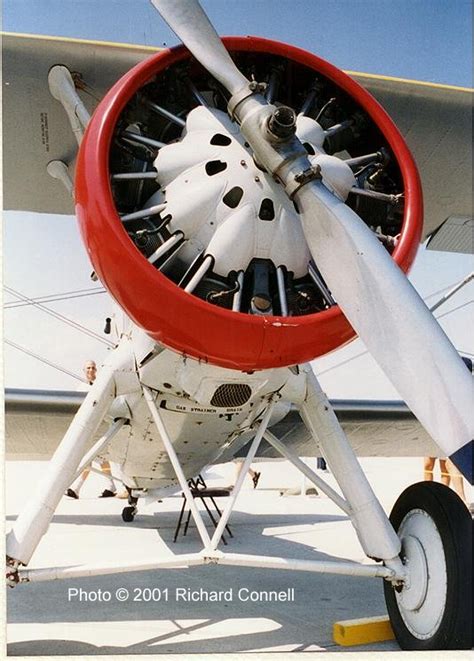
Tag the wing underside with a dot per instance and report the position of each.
(37, 420)
(374, 429)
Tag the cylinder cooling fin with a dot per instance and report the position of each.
(196, 241)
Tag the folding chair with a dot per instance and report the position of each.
(199, 489)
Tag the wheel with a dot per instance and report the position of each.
(128, 514)
(433, 610)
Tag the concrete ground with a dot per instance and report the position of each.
(71, 617)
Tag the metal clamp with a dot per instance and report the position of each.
(301, 178)
(252, 88)
(11, 573)
(258, 88)
(314, 172)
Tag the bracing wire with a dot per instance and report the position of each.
(78, 293)
(60, 317)
(362, 353)
(440, 291)
(44, 360)
(65, 296)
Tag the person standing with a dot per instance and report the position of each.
(449, 474)
(90, 370)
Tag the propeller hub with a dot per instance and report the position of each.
(282, 123)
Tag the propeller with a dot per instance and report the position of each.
(375, 296)
(191, 25)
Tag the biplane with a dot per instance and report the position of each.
(250, 207)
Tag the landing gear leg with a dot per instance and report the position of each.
(34, 520)
(376, 535)
(430, 600)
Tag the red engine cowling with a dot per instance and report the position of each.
(204, 325)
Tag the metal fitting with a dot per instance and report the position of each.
(314, 172)
(282, 123)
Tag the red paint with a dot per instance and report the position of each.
(179, 320)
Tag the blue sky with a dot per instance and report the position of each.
(423, 39)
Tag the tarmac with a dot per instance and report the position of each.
(170, 612)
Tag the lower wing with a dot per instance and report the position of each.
(36, 421)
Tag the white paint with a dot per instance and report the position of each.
(373, 528)
(428, 582)
(61, 86)
(192, 26)
(195, 199)
(390, 317)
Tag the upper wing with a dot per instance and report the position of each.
(456, 234)
(36, 420)
(35, 127)
(435, 120)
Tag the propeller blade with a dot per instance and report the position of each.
(389, 316)
(374, 294)
(189, 22)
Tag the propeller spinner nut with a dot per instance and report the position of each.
(282, 123)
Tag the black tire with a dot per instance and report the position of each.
(438, 526)
(128, 514)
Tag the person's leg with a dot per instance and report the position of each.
(110, 489)
(445, 476)
(456, 479)
(76, 486)
(239, 464)
(255, 476)
(428, 467)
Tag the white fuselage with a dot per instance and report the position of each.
(208, 412)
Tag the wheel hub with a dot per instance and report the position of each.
(422, 601)
(414, 590)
